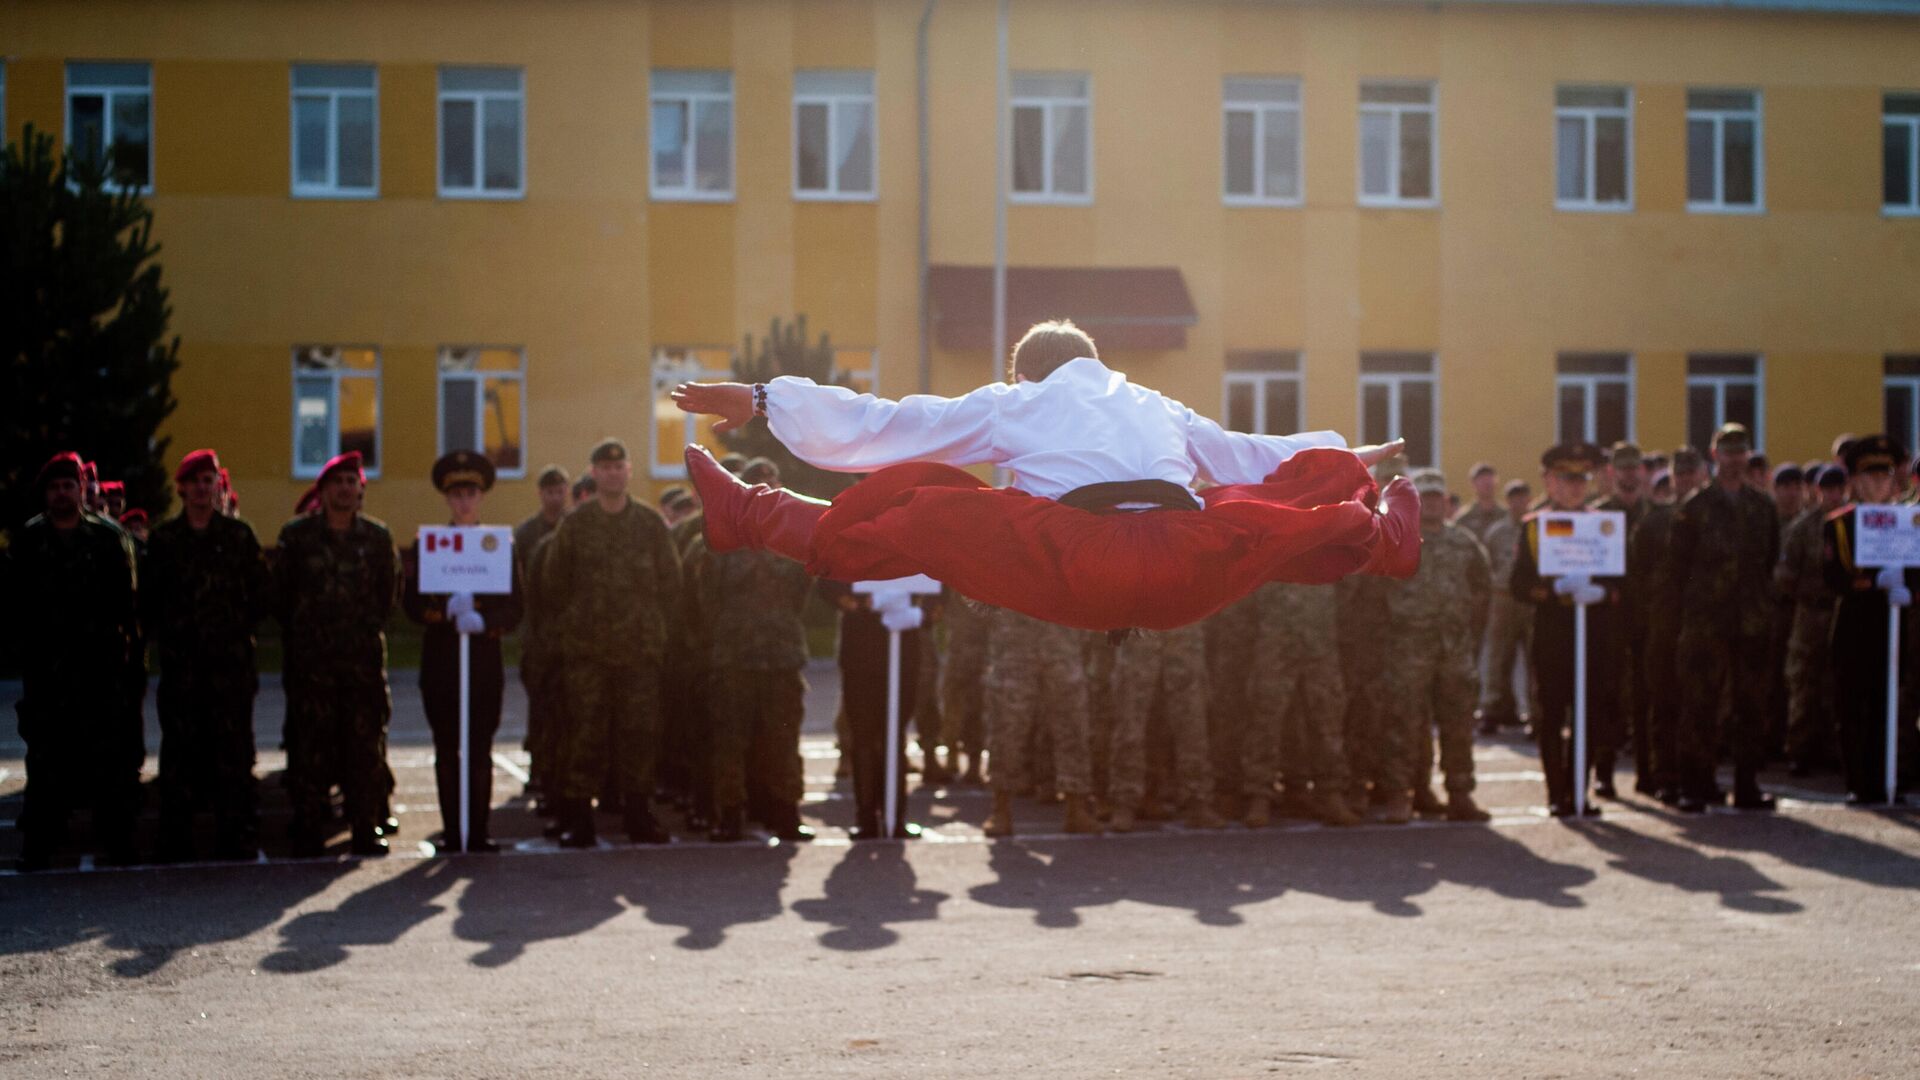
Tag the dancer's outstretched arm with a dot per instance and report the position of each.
(832, 427)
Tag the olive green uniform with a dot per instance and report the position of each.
(1163, 671)
(1436, 620)
(1298, 693)
(1037, 676)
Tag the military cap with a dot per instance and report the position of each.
(586, 485)
(1572, 458)
(553, 474)
(111, 486)
(1625, 455)
(668, 496)
(349, 462)
(462, 467)
(1789, 474)
(308, 503)
(134, 516)
(608, 450)
(1830, 476)
(1759, 461)
(1874, 453)
(1517, 487)
(1732, 436)
(1687, 459)
(90, 470)
(1429, 482)
(195, 463)
(733, 463)
(65, 465)
(682, 501)
(758, 470)
(1480, 467)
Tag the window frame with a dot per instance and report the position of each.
(442, 376)
(331, 189)
(1719, 383)
(1045, 103)
(1256, 381)
(378, 375)
(1395, 110)
(1910, 121)
(1393, 380)
(1590, 116)
(479, 99)
(691, 99)
(832, 101)
(1889, 381)
(1258, 110)
(665, 373)
(1719, 118)
(1589, 384)
(108, 92)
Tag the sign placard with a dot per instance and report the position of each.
(471, 559)
(1886, 534)
(1592, 542)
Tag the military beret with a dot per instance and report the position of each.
(65, 465)
(759, 469)
(1572, 458)
(1625, 455)
(668, 496)
(308, 503)
(349, 462)
(1874, 453)
(1759, 461)
(1732, 437)
(608, 450)
(1830, 476)
(1430, 482)
(553, 474)
(195, 463)
(1518, 487)
(112, 486)
(682, 501)
(586, 485)
(1687, 459)
(733, 463)
(461, 468)
(134, 516)
(90, 470)
(1789, 474)
(1479, 468)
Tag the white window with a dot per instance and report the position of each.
(1900, 143)
(1262, 392)
(1593, 148)
(483, 404)
(833, 145)
(1400, 399)
(483, 137)
(1399, 131)
(673, 429)
(1903, 400)
(692, 135)
(1724, 167)
(1052, 139)
(1261, 135)
(3, 103)
(336, 406)
(1721, 389)
(110, 121)
(335, 130)
(1595, 392)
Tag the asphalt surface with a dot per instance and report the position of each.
(1638, 944)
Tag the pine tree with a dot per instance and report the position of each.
(785, 351)
(83, 329)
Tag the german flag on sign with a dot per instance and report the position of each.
(1559, 527)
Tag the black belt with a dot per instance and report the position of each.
(1108, 498)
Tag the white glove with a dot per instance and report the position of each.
(460, 603)
(1590, 594)
(1899, 596)
(1890, 578)
(470, 623)
(901, 620)
(1571, 584)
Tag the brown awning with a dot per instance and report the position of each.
(1123, 307)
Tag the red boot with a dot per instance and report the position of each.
(756, 516)
(1398, 555)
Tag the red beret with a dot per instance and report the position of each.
(133, 515)
(195, 463)
(112, 486)
(347, 462)
(226, 479)
(90, 470)
(65, 465)
(309, 501)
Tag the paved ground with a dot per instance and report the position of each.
(1639, 944)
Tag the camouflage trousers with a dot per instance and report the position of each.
(755, 729)
(1722, 675)
(546, 712)
(963, 677)
(1502, 653)
(1166, 671)
(1038, 676)
(1297, 719)
(1431, 684)
(613, 726)
(1810, 717)
(337, 731)
(1230, 650)
(206, 750)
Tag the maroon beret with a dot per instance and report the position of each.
(309, 502)
(112, 486)
(65, 465)
(347, 462)
(90, 470)
(133, 515)
(195, 463)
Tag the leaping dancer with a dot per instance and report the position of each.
(1101, 529)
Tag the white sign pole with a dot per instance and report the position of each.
(1893, 701)
(893, 601)
(1579, 710)
(893, 732)
(466, 721)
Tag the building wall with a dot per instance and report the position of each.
(590, 274)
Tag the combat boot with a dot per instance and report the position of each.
(642, 828)
(1078, 818)
(1000, 822)
(786, 826)
(1200, 815)
(367, 842)
(1259, 813)
(1461, 807)
(1122, 820)
(306, 841)
(1398, 809)
(972, 777)
(1331, 808)
(1426, 803)
(933, 771)
(729, 829)
(577, 828)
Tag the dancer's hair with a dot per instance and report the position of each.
(1046, 346)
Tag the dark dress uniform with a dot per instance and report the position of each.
(863, 691)
(1650, 595)
(1628, 670)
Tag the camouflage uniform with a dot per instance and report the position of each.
(1230, 651)
(1801, 576)
(538, 655)
(1364, 627)
(1298, 694)
(1479, 520)
(1654, 608)
(1037, 675)
(205, 592)
(1100, 659)
(963, 674)
(1437, 617)
(75, 588)
(1509, 628)
(335, 593)
(1167, 669)
(620, 577)
(685, 730)
(1628, 667)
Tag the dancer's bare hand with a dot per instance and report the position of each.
(732, 402)
(1368, 455)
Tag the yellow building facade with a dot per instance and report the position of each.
(415, 225)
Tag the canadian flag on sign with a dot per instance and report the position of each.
(437, 542)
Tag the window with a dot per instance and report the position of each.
(1593, 148)
(833, 152)
(1262, 392)
(110, 121)
(1397, 140)
(1724, 389)
(1052, 139)
(1595, 397)
(483, 138)
(483, 405)
(692, 135)
(1900, 168)
(1261, 129)
(673, 429)
(336, 406)
(1903, 400)
(335, 132)
(1723, 150)
(1400, 399)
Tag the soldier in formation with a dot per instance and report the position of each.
(539, 660)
